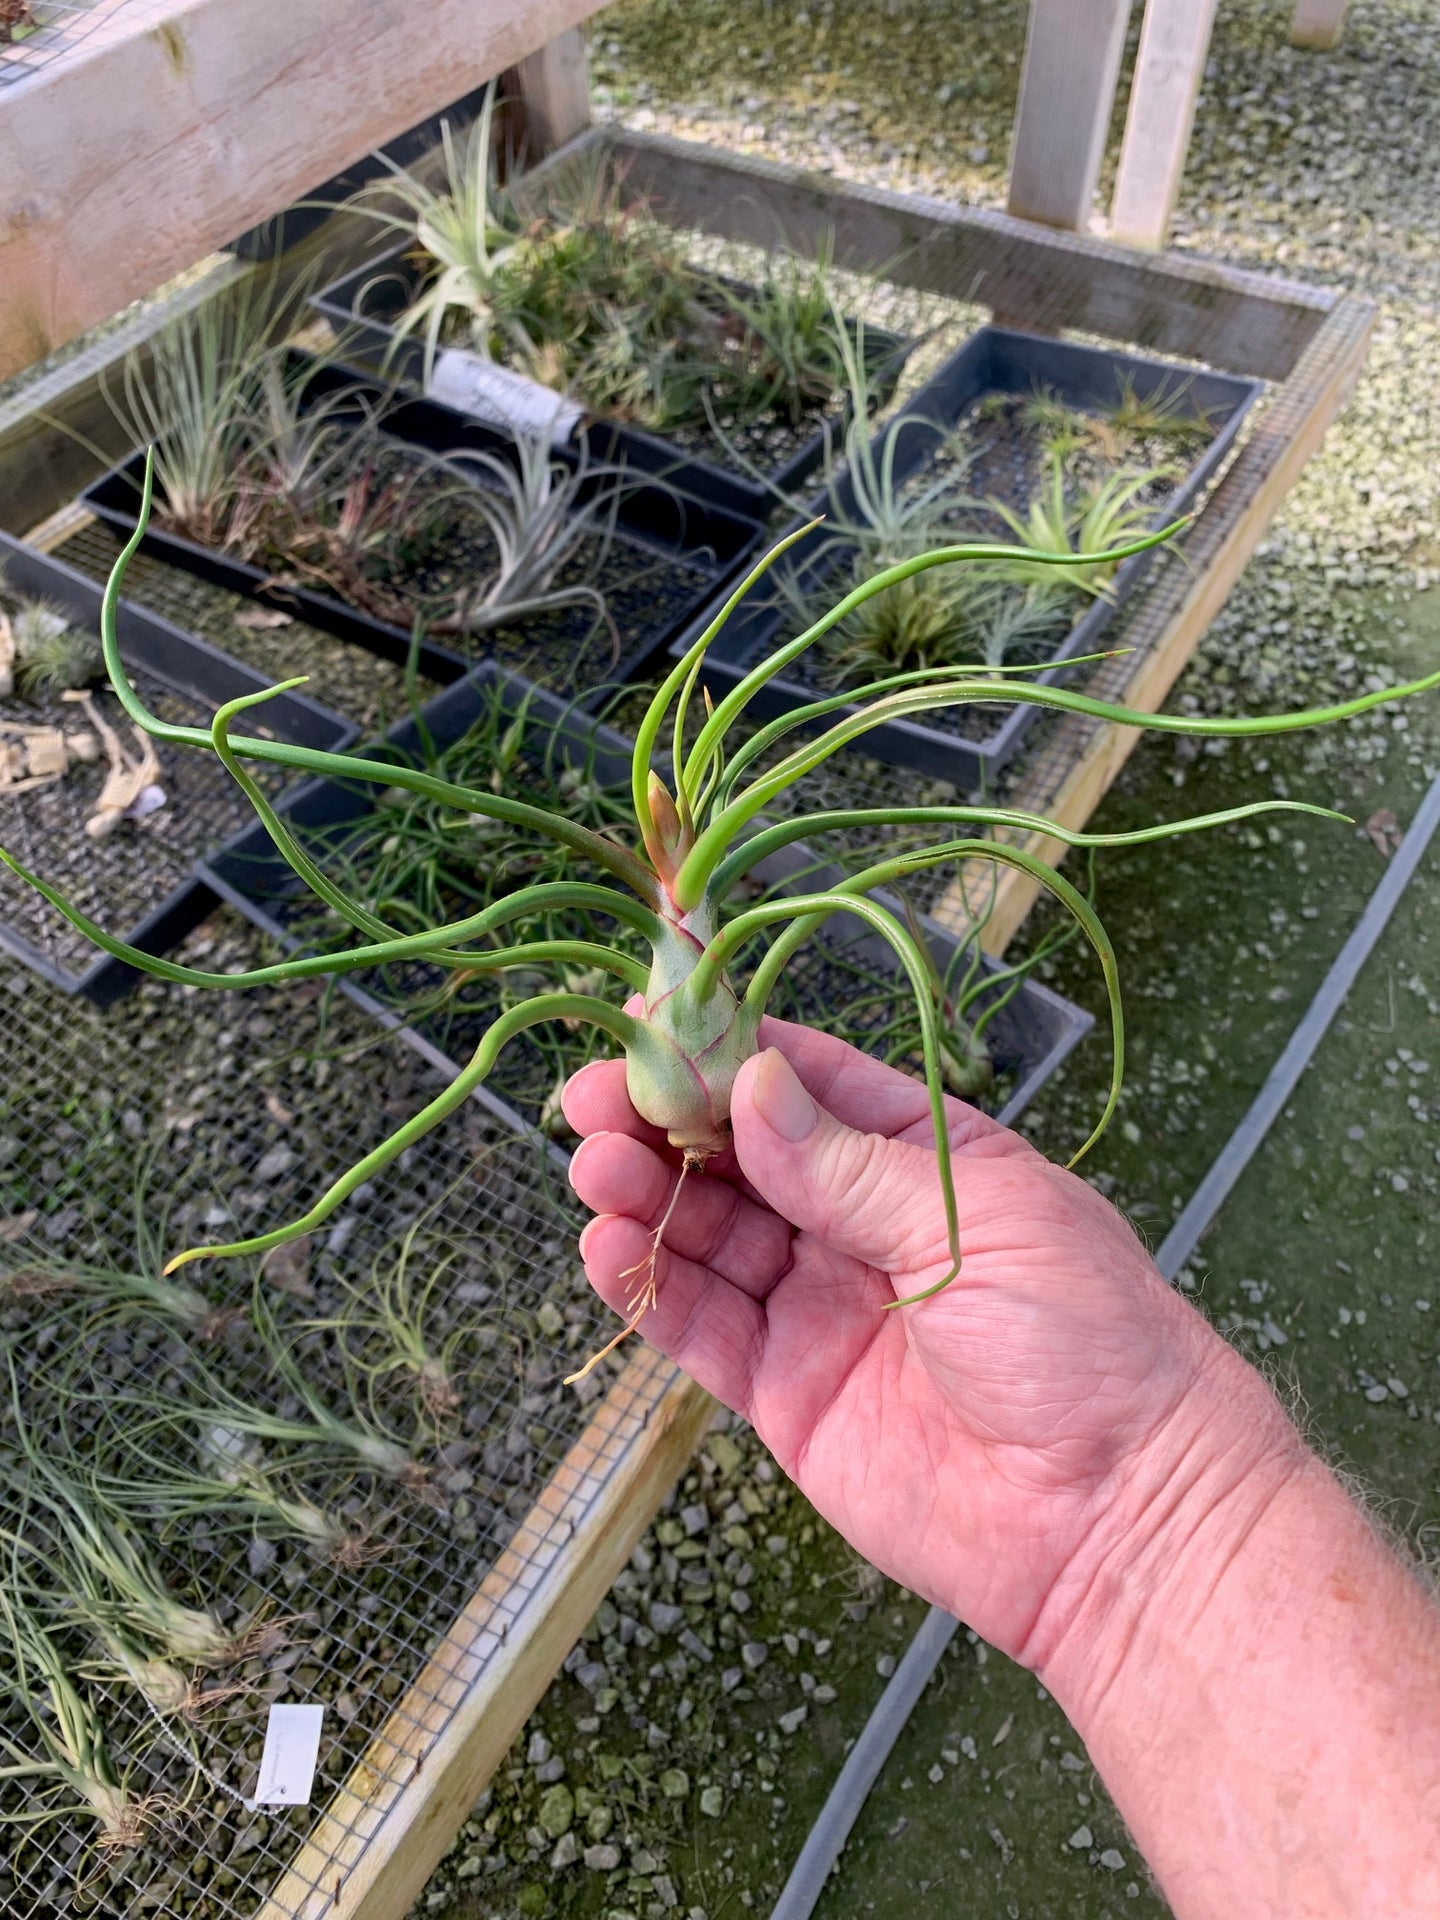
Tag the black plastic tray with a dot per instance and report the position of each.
(364, 304)
(1029, 1037)
(653, 519)
(996, 360)
(201, 678)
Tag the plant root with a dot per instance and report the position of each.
(645, 1292)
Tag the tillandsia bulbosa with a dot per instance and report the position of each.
(688, 1027)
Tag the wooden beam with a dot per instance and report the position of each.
(1318, 23)
(151, 144)
(552, 92)
(1067, 94)
(388, 1827)
(1174, 42)
(1047, 281)
(1074, 768)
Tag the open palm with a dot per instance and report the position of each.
(973, 1444)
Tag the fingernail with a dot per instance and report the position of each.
(780, 1099)
(586, 1231)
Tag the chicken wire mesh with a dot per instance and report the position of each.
(35, 34)
(235, 1110)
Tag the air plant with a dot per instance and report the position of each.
(692, 1028)
(216, 1410)
(139, 1473)
(1090, 525)
(570, 283)
(72, 1757)
(111, 1583)
(43, 652)
(546, 517)
(383, 1329)
(192, 396)
(116, 1291)
(935, 618)
(790, 340)
(588, 296)
(1161, 415)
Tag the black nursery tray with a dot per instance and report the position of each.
(971, 746)
(139, 882)
(670, 553)
(364, 308)
(1029, 1037)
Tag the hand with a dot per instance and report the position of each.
(995, 1447)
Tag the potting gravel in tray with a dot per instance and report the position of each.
(414, 864)
(1016, 440)
(119, 1143)
(369, 692)
(492, 546)
(123, 854)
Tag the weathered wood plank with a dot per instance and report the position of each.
(1067, 94)
(184, 122)
(382, 1836)
(1046, 280)
(552, 91)
(1083, 757)
(1318, 23)
(1174, 42)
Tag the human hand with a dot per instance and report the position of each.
(1007, 1448)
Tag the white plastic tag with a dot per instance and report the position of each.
(477, 386)
(149, 800)
(292, 1747)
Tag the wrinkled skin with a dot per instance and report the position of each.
(978, 1446)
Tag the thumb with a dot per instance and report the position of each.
(862, 1194)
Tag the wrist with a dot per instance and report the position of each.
(1173, 1529)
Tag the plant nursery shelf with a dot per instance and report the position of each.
(1308, 343)
(394, 1810)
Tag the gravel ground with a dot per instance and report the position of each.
(675, 1767)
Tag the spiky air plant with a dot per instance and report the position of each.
(1088, 524)
(691, 1027)
(46, 653)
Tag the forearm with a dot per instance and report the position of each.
(1257, 1678)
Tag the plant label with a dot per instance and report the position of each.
(477, 386)
(292, 1747)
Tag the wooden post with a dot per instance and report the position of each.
(1067, 91)
(552, 89)
(1317, 23)
(1173, 44)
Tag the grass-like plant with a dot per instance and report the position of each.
(571, 283)
(117, 1291)
(690, 1026)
